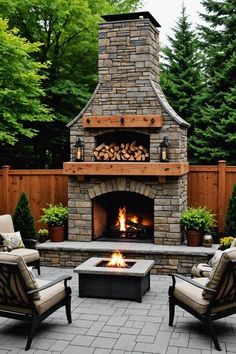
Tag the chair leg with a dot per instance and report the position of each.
(38, 268)
(209, 325)
(33, 327)
(171, 310)
(68, 308)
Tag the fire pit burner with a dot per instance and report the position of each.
(106, 264)
(96, 280)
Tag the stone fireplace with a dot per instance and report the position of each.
(122, 127)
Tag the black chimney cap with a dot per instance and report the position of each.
(131, 16)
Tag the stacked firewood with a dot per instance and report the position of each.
(121, 152)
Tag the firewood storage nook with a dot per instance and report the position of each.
(119, 188)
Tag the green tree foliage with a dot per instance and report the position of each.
(215, 136)
(68, 31)
(180, 72)
(230, 219)
(20, 87)
(181, 77)
(23, 220)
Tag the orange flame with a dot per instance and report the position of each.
(134, 219)
(117, 260)
(122, 219)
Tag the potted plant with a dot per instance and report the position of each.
(196, 221)
(55, 216)
(43, 235)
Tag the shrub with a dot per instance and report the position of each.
(23, 220)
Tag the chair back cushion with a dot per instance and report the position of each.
(28, 277)
(6, 223)
(218, 271)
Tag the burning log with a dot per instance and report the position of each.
(121, 152)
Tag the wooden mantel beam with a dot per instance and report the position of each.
(123, 121)
(126, 168)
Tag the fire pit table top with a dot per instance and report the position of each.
(139, 267)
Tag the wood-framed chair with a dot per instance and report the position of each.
(25, 298)
(208, 299)
(31, 256)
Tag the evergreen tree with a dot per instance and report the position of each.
(180, 73)
(215, 137)
(23, 220)
(230, 219)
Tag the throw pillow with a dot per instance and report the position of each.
(12, 240)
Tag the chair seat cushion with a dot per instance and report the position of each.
(49, 296)
(192, 295)
(201, 270)
(28, 254)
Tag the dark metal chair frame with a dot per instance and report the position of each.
(224, 294)
(10, 299)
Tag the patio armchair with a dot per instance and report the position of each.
(24, 297)
(207, 299)
(31, 256)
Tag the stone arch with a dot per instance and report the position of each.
(122, 184)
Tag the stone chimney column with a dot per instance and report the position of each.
(128, 49)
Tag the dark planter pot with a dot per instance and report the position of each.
(57, 233)
(194, 238)
(43, 238)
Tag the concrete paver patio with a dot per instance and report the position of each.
(117, 327)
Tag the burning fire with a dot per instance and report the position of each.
(117, 260)
(121, 222)
(134, 219)
(122, 219)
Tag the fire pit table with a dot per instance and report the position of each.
(96, 279)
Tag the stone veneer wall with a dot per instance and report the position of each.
(164, 262)
(169, 200)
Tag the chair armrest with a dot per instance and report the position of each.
(64, 278)
(189, 280)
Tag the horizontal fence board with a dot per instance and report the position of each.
(50, 186)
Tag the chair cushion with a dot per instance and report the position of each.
(28, 254)
(50, 296)
(201, 270)
(191, 295)
(6, 223)
(28, 277)
(12, 240)
(218, 270)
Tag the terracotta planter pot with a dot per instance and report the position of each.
(57, 233)
(194, 238)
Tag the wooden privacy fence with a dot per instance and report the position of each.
(209, 186)
(41, 187)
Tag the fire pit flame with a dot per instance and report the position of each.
(117, 260)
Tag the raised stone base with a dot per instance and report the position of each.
(168, 259)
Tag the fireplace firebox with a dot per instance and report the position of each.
(123, 216)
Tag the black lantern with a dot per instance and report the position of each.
(79, 150)
(165, 150)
